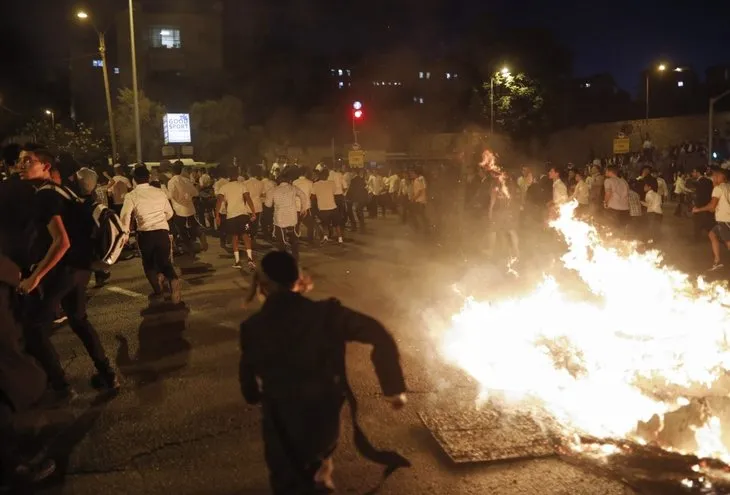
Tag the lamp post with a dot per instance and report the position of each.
(135, 89)
(107, 92)
(51, 114)
(660, 68)
(710, 123)
(504, 72)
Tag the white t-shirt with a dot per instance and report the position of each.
(339, 181)
(653, 202)
(325, 192)
(582, 192)
(233, 196)
(722, 212)
(305, 185)
(619, 189)
(560, 192)
(256, 189)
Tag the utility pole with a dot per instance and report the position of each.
(107, 92)
(135, 88)
(710, 123)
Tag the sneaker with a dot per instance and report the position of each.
(237, 264)
(60, 320)
(175, 291)
(715, 267)
(105, 381)
(340, 241)
(251, 264)
(162, 283)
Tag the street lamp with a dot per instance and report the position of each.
(711, 119)
(51, 114)
(505, 73)
(660, 68)
(105, 69)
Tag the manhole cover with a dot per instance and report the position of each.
(468, 435)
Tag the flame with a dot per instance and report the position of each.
(489, 163)
(650, 339)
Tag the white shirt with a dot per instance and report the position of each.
(268, 185)
(722, 212)
(560, 192)
(283, 198)
(306, 187)
(347, 176)
(182, 191)
(653, 202)
(619, 189)
(233, 199)
(205, 180)
(376, 184)
(117, 190)
(150, 207)
(662, 188)
(216, 190)
(324, 190)
(582, 193)
(339, 182)
(680, 186)
(393, 183)
(256, 189)
(419, 184)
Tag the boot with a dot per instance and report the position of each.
(154, 280)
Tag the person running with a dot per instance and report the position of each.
(329, 214)
(58, 278)
(720, 205)
(152, 211)
(283, 203)
(182, 192)
(305, 185)
(301, 388)
(255, 189)
(240, 213)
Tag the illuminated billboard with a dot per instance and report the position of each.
(176, 127)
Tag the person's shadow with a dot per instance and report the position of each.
(162, 351)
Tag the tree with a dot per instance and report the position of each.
(217, 126)
(519, 104)
(81, 141)
(150, 118)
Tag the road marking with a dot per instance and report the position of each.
(125, 292)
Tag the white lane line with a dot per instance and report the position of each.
(125, 292)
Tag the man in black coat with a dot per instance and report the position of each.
(293, 364)
(22, 383)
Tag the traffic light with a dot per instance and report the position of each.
(357, 112)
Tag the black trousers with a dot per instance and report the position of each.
(287, 240)
(310, 223)
(64, 286)
(405, 206)
(341, 205)
(267, 221)
(703, 222)
(156, 252)
(418, 216)
(188, 230)
(354, 209)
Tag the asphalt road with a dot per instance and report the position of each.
(180, 425)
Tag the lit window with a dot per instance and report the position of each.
(116, 70)
(332, 71)
(588, 85)
(382, 83)
(455, 75)
(680, 84)
(349, 85)
(340, 85)
(97, 63)
(415, 99)
(448, 75)
(428, 75)
(165, 37)
(420, 100)
(339, 72)
(420, 75)
(348, 72)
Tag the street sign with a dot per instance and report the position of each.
(356, 158)
(621, 145)
(356, 147)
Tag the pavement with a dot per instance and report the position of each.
(180, 425)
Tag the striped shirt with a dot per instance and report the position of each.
(283, 198)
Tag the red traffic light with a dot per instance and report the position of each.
(357, 114)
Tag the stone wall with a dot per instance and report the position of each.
(577, 145)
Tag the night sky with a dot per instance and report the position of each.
(621, 38)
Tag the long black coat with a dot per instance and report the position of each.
(295, 348)
(21, 380)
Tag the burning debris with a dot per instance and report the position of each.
(637, 376)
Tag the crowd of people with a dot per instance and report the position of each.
(47, 258)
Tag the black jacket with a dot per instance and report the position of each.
(21, 380)
(296, 347)
(358, 191)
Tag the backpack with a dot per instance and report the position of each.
(107, 235)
